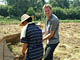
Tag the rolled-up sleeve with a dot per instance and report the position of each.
(24, 40)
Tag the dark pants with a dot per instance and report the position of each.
(40, 59)
(36, 59)
(49, 50)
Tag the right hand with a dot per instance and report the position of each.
(23, 54)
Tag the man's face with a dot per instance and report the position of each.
(47, 11)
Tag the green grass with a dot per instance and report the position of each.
(16, 21)
(64, 21)
(70, 21)
(7, 20)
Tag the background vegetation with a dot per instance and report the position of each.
(64, 9)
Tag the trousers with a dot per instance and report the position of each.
(49, 50)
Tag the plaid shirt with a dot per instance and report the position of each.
(34, 40)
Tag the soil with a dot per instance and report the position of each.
(69, 46)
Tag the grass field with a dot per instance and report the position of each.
(16, 21)
(9, 21)
(70, 21)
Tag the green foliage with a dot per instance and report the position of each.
(38, 16)
(3, 10)
(8, 20)
(19, 6)
(76, 3)
(22, 6)
(63, 3)
(64, 9)
(11, 11)
(72, 13)
(69, 21)
(78, 12)
(30, 11)
(60, 3)
(59, 12)
(54, 3)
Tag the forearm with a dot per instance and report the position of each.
(47, 37)
(51, 34)
(25, 45)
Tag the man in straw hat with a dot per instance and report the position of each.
(31, 36)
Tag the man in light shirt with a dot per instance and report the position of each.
(51, 32)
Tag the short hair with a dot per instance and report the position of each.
(47, 5)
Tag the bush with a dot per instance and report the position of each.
(59, 12)
(12, 11)
(4, 10)
(72, 13)
(30, 11)
(78, 12)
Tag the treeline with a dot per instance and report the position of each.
(72, 13)
(64, 9)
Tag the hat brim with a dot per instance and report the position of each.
(21, 24)
(23, 21)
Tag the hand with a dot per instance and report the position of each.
(43, 40)
(23, 54)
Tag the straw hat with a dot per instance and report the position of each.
(23, 18)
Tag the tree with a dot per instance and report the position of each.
(19, 6)
(60, 3)
(76, 3)
(22, 6)
(43, 1)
